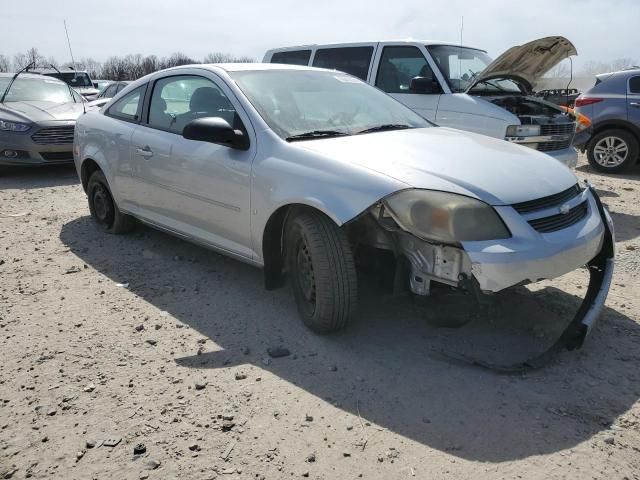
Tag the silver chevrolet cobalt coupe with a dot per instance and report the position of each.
(301, 171)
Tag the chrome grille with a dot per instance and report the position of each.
(557, 222)
(54, 135)
(548, 202)
(558, 129)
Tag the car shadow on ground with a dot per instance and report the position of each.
(388, 367)
(37, 177)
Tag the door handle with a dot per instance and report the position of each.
(144, 151)
(635, 104)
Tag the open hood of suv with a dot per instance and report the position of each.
(527, 63)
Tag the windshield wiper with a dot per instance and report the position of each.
(383, 128)
(316, 134)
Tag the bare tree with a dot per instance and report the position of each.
(5, 64)
(594, 68)
(150, 64)
(176, 59)
(220, 57)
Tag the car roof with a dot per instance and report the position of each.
(410, 41)
(628, 71)
(241, 67)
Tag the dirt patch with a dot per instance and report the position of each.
(110, 342)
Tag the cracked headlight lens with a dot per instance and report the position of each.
(445, 217)
(13, 126)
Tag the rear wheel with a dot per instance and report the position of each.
(322, 272)
(612, 151)
(103, 208)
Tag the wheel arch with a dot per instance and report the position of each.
(89, 165)
(618, 124)
(273, 235)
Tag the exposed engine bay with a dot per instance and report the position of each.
(531, 110)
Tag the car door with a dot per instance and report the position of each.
(194, 188)
(633, 100)
(396, 66)
(121, 120)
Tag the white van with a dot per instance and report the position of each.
(459, 87)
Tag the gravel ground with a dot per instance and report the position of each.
(147, 339)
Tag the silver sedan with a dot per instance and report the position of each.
(37, 118)
(300, 170)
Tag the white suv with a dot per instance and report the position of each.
(459, 87)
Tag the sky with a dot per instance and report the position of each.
(601, 30)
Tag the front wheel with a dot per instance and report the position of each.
(103, 208)
(322, 271)
(612, 151)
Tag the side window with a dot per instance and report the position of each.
(120, 87)
(294, 57)
(352, 60)
(128, 107)
(176, 101)
(110, 91)
(399, 65)
(634, 85)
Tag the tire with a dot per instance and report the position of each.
(322, 271)
(612, 151)
(103, 208)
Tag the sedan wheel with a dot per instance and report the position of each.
(103, 208)
(322, 271)
(612, 151)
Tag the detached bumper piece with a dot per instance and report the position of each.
(600, 274)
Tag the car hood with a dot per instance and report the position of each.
(86, 90)
(527, 63)
(40, 111)
(437, 158)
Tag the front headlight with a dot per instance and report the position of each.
(13, 126)
(523, 130)
(445, 217)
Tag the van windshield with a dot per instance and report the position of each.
(75, 79)
(460, 65)
(308, 104)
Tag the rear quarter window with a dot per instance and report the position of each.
(634, 84)
(292, 57)
(352, 60)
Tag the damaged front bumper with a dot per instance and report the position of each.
(527, 257)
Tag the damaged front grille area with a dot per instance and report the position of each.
(560, 220)
(547, 202)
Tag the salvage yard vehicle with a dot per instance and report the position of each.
(79, 80)
(108, 93)
(612, 141)
(299, 170)
(459, 87)
(37, 119)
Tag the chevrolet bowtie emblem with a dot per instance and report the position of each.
(564, 209)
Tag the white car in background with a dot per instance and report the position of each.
(459, 87)
(299, 170)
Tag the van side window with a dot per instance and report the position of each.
(399, 65)
(352, 60)
(634, 85)
(293, 57)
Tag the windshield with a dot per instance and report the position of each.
(75, 79)
(102, 84)
(295, 102)
(460, 65)
(26, 89)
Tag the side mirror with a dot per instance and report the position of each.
(422, 85)
(215, 130)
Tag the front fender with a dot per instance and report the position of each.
(339, 190)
